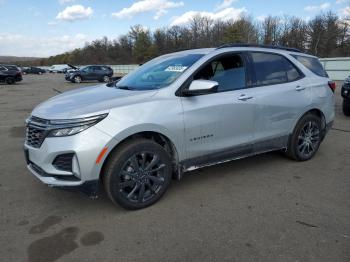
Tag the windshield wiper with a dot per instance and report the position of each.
(124, 87)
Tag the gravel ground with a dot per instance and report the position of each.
(263, 208)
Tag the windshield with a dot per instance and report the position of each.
(159, 72)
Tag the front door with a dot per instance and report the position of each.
(220, 125)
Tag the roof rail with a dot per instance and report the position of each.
(260, 46)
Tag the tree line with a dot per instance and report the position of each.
(326, 35)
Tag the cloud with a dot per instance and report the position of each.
(225, 4)
(63, 2)
(346, 12)
(342, 1)
(160, 7)
(315, 8)
(75, 12)
(224, 15)
(261, 18)
(21, 45)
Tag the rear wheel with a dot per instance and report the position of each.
(10, 80)
(137, 174)
(306, 138)
(346, 108)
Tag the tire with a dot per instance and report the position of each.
(346, 108)
(10, 80)
(306, 138)
(77, 79)
(135, 190)
(105, 79)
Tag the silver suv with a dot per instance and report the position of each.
(180, 112)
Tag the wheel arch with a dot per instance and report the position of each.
(314, 111)
(158, 137)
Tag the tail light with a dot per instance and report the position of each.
(332, 85)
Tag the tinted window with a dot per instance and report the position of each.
(228, 71)
(11, 67)
(273, 69)
(2, 68)
(312, 63)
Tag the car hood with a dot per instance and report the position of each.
(88, 101)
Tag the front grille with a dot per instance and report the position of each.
(64, 162)
(35, 136)
(37, 130)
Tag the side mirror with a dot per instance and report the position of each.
(113, 81)
(201, 87)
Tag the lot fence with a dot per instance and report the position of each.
(338, 68)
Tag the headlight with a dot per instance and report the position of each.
(69, 127)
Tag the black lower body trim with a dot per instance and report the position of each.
(241, 151)
(90, 188)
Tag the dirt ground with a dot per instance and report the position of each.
(263, 208)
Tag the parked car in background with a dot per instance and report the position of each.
(215, 105)
(345, 93)
(10, 74)
(58, 68)
(33, 70)
(100, 73)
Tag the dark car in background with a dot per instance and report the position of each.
(345, 93)
(100, 73)
(10, 74)
(33, 70)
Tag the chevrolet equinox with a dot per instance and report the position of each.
(177, 113)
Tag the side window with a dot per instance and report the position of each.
(89, 69)
(228, 71)
(312, 63)
(2, 68)
(273, 69)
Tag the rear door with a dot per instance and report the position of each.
(281, 95)
(220, 125)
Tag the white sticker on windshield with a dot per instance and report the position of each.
(176, 68)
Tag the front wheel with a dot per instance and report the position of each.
(137, 174)
(77, 79)
(306, 138)
(105, 79)
(346, 108)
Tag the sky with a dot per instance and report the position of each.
(41, 28)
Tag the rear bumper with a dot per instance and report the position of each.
(18, 78)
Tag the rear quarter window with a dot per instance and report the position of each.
(271, 69)
(312, 63)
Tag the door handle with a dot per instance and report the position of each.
(244, 97)
(300, 88)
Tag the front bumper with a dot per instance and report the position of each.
(345, 91)
(85, 146)
(68, 77)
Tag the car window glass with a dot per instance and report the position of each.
(228, 71)
(159, 72)
(313, 64)
(273, 69)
